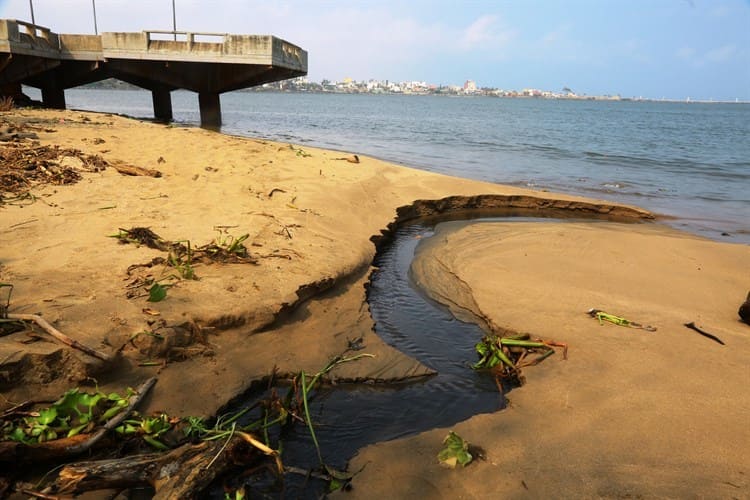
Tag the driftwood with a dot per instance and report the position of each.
(350, 159)
(12, 451)
(182, 473)
(135, 171)
(44, 324)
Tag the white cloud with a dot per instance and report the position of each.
(486, 32)
(721, 54)
(719, 11)
(635, 50)
(556, 36)
(717, 55)
(559, 46)
(374, 42)
(686, 53)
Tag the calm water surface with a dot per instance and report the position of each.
(686, 160)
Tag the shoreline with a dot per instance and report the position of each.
(685, 208)
(101, 85)
(311, 219)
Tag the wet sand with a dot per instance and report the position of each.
(631, 413)
(310, 216)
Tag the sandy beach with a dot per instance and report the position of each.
(630, 413)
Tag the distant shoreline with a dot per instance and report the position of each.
(112, 84)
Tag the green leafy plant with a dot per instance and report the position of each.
(148, 428)
(182, 262)
(238, 495)
(299, 151)
(81, 412)
(157, 292)
(455, 451)
(73, 413)
(226, 242)
(505, 356)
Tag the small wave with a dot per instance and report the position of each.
(615, 185)
(552, 152)
(621, 160)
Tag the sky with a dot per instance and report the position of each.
(675, 49)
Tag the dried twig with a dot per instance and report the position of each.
(24, 222)
(711, 336)
(38, 494)
(132, 170)
(61, 336)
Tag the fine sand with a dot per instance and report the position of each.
(630, 413)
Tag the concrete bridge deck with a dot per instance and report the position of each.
(159, 61)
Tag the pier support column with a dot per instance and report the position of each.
(162, 100)
(210, 107)
(53, 97)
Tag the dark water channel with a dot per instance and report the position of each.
(349, 417)
(355, 416)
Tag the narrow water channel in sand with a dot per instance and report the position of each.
(349, 417)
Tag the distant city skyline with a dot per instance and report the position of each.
(673, 49)
(469, 88)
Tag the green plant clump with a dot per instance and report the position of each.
(74, 413)
(455, 451)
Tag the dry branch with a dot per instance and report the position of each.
(44, 324)
(135, 171)
(182, 473)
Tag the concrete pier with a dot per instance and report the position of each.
(160, 61)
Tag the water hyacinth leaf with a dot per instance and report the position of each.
(491, 354)
(339, 479)
(114, 410)
(47, 416)
(68, 404)
(89, 400)
(335, 485)
(155, 443)
(126, 429)
(455, 451)
(76, 430)
(157, 293)
(113, 396)
(521, 343)
(17, 435)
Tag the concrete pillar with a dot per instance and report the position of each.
(162, 100)
(53, 97)
(210, 107)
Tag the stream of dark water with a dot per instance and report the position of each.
(349, 417)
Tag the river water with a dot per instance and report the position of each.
(690, 161)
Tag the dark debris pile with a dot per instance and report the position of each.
(25, 164)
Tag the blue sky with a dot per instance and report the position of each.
(651, 48)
